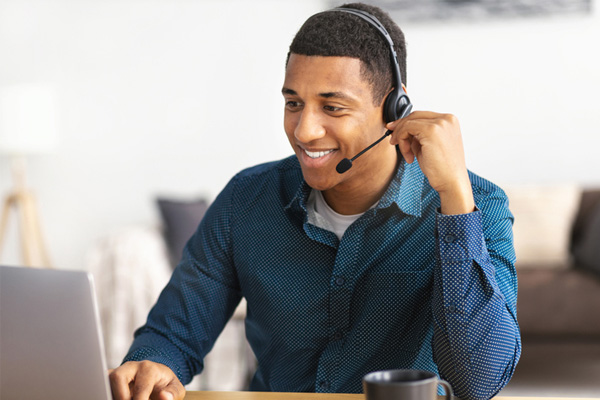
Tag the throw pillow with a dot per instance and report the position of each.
(180, 221)
(587, 250)
(544, 216)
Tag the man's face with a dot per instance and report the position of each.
(330, 115)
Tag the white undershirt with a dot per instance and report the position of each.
(328, 219)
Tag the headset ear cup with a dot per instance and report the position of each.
(397, 105)
(404, 105)
(390, 107)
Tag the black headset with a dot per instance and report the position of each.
(397, 104)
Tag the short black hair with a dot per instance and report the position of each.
(341, 34)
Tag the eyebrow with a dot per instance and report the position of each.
(326, 95)
(338, 95)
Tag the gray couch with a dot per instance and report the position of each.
(559, 316)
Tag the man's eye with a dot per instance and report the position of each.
(332, 108)
(290, 104)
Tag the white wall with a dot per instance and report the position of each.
(174, 97)
(525, 90)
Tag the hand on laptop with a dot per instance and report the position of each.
(145, 380)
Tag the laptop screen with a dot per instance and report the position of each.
(50, 337)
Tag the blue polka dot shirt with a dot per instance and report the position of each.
(405, 287)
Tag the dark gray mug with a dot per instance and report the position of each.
(404, 384)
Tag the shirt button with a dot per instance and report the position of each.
(340, 281)
(450, 238)
(324, 385)
(338, 335)
(452, 308)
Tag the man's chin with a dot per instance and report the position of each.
(320, 183)
(320, 178)
(313, 178)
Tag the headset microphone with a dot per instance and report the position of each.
(397, 105)
(346, 163)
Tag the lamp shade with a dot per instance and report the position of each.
(28, 120)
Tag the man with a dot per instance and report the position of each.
(404, 261)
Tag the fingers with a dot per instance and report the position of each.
(145, 380)
(173, 391)
(405, 146)
(425, 118)
(420, 128)
(407, 136)
(165, 395)
(405, 132)
(120, 379)
(436, 141)
(147, 377)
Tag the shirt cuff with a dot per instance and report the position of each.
(460, 237)
(143, 352)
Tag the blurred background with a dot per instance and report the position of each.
(157, 98)
(174, 97)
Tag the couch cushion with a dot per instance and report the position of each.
(590, 199)
(558, 302)
(586, 250)
(180, 220)
(544, 217)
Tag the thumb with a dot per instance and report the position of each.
(173, 391)
(165, 395)
(405, 146)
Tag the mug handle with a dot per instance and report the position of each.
(447, 388)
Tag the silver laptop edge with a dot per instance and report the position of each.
(51, 343)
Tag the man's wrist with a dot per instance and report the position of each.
(457, 200)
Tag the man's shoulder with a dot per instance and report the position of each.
(271, 181)
(270, 169)
(486, 193)
(484, 187)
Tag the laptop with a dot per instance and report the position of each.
(50, 338)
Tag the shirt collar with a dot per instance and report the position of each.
(298, 202)
(405, 191)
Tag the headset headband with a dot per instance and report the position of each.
(374, 22)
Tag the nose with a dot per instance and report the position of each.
(309, 126)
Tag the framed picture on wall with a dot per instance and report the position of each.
(431, 10)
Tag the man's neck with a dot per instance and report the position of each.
(355, 199)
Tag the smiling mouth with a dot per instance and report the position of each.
(317, 154)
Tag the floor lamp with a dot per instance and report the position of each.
(27, 127)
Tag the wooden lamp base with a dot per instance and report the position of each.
(22, 201)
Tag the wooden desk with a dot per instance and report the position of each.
(310, 396)
(270, 396)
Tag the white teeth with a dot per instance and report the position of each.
(317, 154)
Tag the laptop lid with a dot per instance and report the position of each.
(50, 339)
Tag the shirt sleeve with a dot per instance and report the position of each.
(201, 296)
(476, 341)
